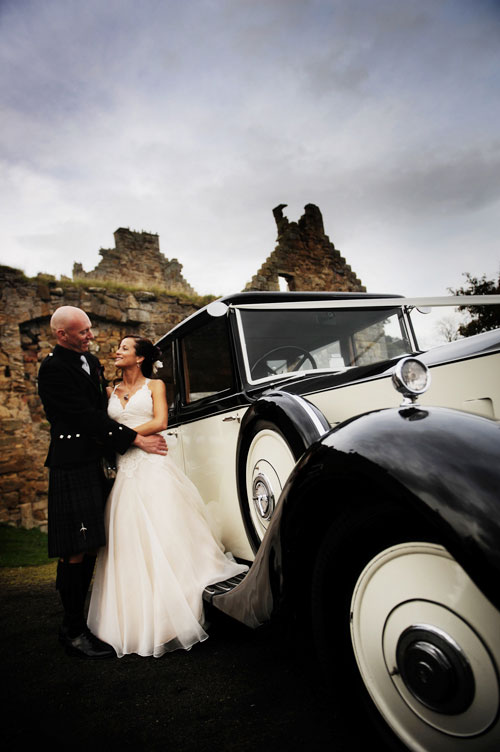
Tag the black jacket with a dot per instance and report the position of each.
(76, 407)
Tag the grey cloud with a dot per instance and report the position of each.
(460, 182)
(194, 119)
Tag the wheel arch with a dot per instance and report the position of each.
(292, 414)
(440, 466)
(298, 421)
(406, 457)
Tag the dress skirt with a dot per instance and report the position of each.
(160, 555)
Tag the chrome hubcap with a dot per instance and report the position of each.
(269, 462)
(263, 496)
(435, 669)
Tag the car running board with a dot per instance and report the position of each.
(219, 588)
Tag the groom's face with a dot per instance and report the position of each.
(77, 334)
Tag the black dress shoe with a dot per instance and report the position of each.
(87, 645)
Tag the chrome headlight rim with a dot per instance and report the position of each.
(410, 390)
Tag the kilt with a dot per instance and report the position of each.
(76, 500)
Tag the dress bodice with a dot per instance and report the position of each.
(138, 409)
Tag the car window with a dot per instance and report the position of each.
(379, 341)
(284, 341)
(207, 362)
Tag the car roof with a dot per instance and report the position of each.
(271, 296)
(252, 297)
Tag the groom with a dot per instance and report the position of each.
(72, 390)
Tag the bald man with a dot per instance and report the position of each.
(72, 389)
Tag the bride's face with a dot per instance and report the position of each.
(125, 355)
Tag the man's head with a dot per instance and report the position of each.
(72, 328)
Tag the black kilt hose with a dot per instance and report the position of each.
(82, 435)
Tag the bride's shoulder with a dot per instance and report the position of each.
(110, 390)
(157, 386)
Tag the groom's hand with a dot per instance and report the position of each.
(154, 444)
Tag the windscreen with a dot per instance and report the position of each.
(283, 341)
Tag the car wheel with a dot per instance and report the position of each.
(265, 462)
(409, 639)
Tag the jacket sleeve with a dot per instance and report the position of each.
(67, 403)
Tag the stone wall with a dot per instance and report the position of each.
(25, 339)
(304, 258)
(137, 260)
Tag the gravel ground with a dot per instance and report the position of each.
(240, 690)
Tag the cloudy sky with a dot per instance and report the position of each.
(194, 118)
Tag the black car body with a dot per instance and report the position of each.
(377, 516)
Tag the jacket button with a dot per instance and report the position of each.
(61, 436)
(110, 433)
(77, 435)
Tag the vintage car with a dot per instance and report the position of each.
(364, 497)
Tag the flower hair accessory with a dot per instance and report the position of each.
(157, 365)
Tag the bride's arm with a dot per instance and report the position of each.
(160, 410)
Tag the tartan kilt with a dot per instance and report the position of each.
(76, 500)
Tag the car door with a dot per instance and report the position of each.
(208, 416)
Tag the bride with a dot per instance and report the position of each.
(160, 552)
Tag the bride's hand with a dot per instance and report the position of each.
(154, 444)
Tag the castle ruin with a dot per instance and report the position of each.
(136, 259)
(157, 298)
(304, 258)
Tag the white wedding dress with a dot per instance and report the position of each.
(160, 554)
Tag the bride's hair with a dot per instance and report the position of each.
(145, 349)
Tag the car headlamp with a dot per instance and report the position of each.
(411, 378)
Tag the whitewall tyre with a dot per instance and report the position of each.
(269, 462)
(427, 645)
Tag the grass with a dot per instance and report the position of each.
(113, 286)
(22, 548)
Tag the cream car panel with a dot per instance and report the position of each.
(209, 447)
(467, 385)
(340, 404)
(464, 385)
(175, 450)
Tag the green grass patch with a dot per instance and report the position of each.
(110, 286)
(113, 286)
(22, 548)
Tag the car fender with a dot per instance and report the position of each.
(275, 432)
(299, 420)
(440, 464)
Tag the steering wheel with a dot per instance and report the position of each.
(306, 355)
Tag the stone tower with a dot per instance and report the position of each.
(137, 260)
(304, 258)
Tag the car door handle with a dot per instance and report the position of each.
(231, 417)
